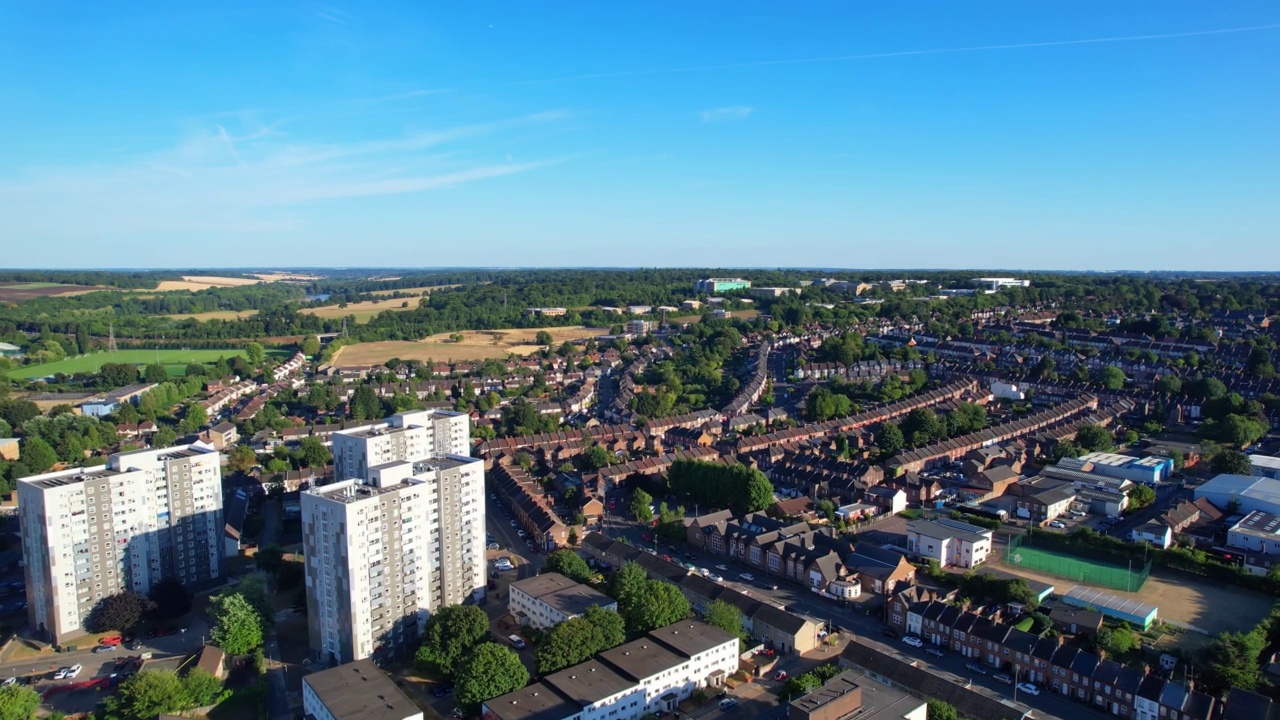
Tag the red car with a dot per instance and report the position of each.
(780, 675)
(111, 640)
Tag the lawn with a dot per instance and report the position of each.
(475, 345)
(171, 359)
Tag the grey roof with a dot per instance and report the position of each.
(640, 659)
(942, 530)
(691, 637)
(360, 691)
(538, 701)
(588, 682)
(562, 594)
(876, 698)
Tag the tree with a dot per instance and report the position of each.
(759, 492)
(200, 687)
(568, 563)
(310, 346)
(543, 338)
(1233, 659)
(628, 583)
(195, 418)
(18, 702)
(117, 374)
(640, 504)
(489, 671)
(122, 611)
(170, 598)
(242, 458)
(449, 637)
(1095, 438)
(269, 558)
(1141, 496)
(939, 710)
(596, 457)
(38, 455)
(237, 627)
(148, 694)
(612, 628)
(890, 439)
(365, 404)
(725, 616)
(1111, 377)
(798, 686)
(1117, 641)
(313, 452)
(155, 373)
(1232, 462)
(254, 353)
(658, 605)
(164, 437)
(568, 643)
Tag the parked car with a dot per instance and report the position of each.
(1002, 678)
(747, 576)
(913, 641)
(974, 667)
(1029, 688)
(493, 546)
(727, 703)
(936, 652)
(889, 633)
(74, 670)
(1056, 524)
(61, 673)
(9, 681)
(516, 641)
(104, 649)
(780, 675)
(111, 640)
(715, 578)
(722, 568)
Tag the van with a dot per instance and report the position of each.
(516, 641)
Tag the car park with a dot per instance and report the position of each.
(1029, 688)
(913, 641)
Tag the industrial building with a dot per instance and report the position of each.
(1140, 615)
(1253, 493)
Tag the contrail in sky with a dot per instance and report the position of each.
(906, 53)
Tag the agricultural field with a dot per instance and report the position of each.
(171, 359)
(733, 315)
(215, 315)
(415, 290)
(17, 292)
(364, 311)
(475, 345)
(203, 282)
(283, 277)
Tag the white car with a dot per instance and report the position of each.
(74, 670)
(722, 568)
(747, 576)
(61, 673)
(1057, 525)
(9, 681)
(1029, 688)
(715, 578)
(913, 641)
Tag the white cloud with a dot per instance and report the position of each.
(726, 114)
(251, 181)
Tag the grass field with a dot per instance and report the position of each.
(203, 282)
(475, 345)
(17, 292)
(1084, 570)
(733, 315)
(215, 315)
(90, 363)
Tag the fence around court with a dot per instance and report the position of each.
(1080, 569)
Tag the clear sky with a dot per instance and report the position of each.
(1051, 135)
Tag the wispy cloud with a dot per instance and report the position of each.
(335, 15)
(726, 114)
(258, 180)
(907, 53)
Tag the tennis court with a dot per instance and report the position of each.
(1080, 569)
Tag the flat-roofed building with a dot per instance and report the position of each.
(1256, 532)
(950, 542)
(650, 675)
(405, 437)
(853, 694)
(355, 691)
(549, 599)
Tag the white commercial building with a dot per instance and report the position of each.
(400, 537)
(995, 284)
(1252, 493)
(546, 600)
(1257, 532)
(647, 676)
(1265, 466)
(950, 542)
(89, 533)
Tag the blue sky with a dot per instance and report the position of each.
(1050, 135)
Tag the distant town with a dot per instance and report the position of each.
(633, 494)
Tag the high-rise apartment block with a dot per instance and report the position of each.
(403, 535)
(89, 533)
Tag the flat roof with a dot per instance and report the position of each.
(949, 529)
(1089, 597)
(1255, 488)
(641, 658)
(360, 691)
(1265, 461)
(561, 593)
(353, 491)
(538, 701)
(878, 699)
(691, 637)
(1259, 524)
(589, 682)
(1106, 458)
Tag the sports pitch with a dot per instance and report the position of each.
(1080, 569)
(92, 362)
